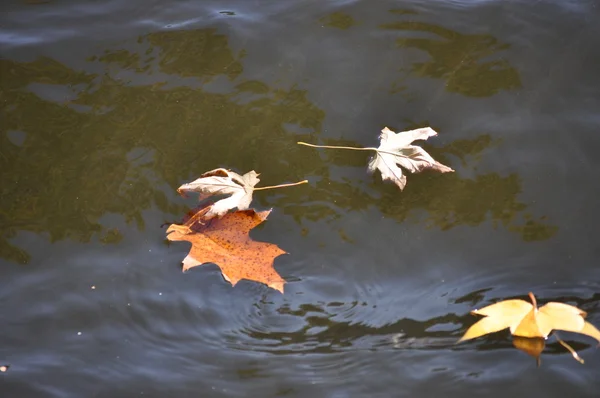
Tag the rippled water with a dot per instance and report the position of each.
(108, 106)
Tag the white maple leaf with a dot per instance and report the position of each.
(224, 182)
(396, 152)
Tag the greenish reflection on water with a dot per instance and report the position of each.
(462, 60)
(339, 20)
(448, 199)
(117, 147)
(112, 148)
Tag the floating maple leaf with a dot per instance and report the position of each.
(225, 242)
(396, 152)
(226, 182)
(526, 320)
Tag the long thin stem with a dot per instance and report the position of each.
(338, 147)
(352, 148)
(282, 185)
(568, 347)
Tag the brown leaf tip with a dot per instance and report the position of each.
(220, 172)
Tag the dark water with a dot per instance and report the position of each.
(108, 106)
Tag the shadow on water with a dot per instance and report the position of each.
(109, 144)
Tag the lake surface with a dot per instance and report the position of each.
(108, 106)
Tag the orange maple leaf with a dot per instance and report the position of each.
(225, 242)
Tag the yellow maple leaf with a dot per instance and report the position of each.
(527, 320)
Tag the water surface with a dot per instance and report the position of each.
(107, 107)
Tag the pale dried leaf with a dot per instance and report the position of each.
(389, 140)
(415, 159)
(395, 151)
(224, 182)
(386, 164)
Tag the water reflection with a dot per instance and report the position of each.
(112, 147)
(202, 54)
(449, 199)
(327, 327)
(339, 20)
(469, 63)
(199, 53)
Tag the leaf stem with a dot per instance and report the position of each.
(281, 185)
(354, 148)
(338, 147)
(533, 300)
(571, 350)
